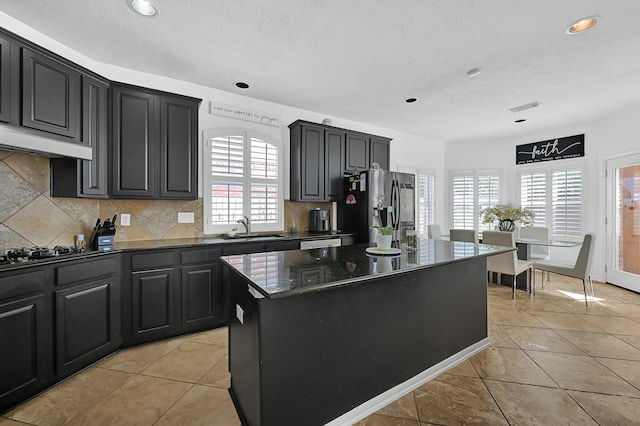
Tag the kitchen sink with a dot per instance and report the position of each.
(253, 237)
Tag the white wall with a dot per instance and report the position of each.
(612, 135)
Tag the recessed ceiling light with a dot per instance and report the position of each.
(411, 100)
(241, 85)
(522, 120)
(143, 7)
(582, 25)
(474, 72)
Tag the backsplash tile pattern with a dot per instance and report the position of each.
(29, 216)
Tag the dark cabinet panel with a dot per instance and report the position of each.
(243, 248)
(283, 245)
(312, 159)
(201, 297)
(133, 143)
(178, 148)
(87, 320)
(95, 133)
(380, 152)
(5, 80)
(154, 308)
(24, 365)
(357, 152)
(50, 95)
(334, 148)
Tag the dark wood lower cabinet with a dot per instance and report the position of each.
(201, 297)
(154, 307)
(87, 324)
(25, 351)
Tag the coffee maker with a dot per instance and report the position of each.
(319, 220)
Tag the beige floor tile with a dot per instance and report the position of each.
(513, 317)
(9, 422)
(141, 400)
(628, 310)
(539, 304)
(510, 365)
(632, 340)
(465, 368)
(380, 420)
(614, 325)
(188, 362)
(403, 408)
(134, 360)
(499, 302)
(70, 398)
(498, 337)
(609, 409)
(202, 405)
(578, 307)
(218, 336)
(562, 321)
(453, 400)
(601, 344)
(540, 339)
(218, 376)
(583, 373)
(537, 405)
(628, 370)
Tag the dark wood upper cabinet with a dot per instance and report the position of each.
(50, 95)
(321, 154)
(334, 153)
(357, 152)
(380, 152)
(178, 147)
(5, 80)
(154, 145)
(95, 133)
(134, 143)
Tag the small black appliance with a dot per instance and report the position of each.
(319, 220)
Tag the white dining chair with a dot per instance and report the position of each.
(581, 269)
(506, 263)
(434, 232)
(465, 235)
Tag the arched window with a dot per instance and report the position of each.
(242, 177)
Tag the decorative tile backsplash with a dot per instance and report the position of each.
(29, 216)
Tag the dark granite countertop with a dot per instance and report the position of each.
(176, 243)
(281, 274)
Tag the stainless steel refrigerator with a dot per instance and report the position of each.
(377, 197)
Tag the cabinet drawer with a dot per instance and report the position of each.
(152, 260)
(243, 248)
(85, 270)
(24, 283)
(204, 255)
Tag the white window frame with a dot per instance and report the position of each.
(246, 180)
(548, 169)
(475, 175)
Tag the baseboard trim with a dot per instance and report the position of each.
(387, 397)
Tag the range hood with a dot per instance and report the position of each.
(14, 139)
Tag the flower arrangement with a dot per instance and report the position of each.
(383, 230)
(501, 212)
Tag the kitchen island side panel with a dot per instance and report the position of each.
(322, 354)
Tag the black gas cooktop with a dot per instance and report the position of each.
(22, 254)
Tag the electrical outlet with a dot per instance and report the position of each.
(185, 217)
(125, 219)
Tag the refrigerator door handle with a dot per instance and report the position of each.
(395, 203)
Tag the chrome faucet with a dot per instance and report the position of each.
(246, 223)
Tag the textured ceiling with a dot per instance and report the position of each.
(359, 59)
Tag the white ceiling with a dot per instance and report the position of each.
(359, 59)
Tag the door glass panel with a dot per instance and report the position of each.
(627, 226)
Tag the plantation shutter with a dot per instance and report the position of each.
(463, 197)
(426, 202)
(226, 179)
(566, 204)
(488, 196)
(533, 196)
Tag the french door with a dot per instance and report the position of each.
(623, 222)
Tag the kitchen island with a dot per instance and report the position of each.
(331, 335)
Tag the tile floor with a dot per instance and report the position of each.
(551, 361)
